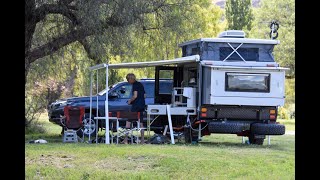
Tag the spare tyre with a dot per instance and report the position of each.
(268, 129)
(229, 127)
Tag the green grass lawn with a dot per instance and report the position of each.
(218, 156)
(289, 123)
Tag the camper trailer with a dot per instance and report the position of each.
(233, 86)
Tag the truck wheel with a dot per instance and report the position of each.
(157, 131)
(268, 129)
(230, 127)
(89, 129)
(187, 134)
(255, 140)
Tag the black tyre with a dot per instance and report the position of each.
(230, 127)
(157, 131)
(187, 135)
(255, 140)
(268, 129)
(190, 136)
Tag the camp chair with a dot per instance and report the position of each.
(72, 123)
(134, 118)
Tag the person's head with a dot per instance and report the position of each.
(131, 78)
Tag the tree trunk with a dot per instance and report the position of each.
(30, 26)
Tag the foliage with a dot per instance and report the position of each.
(35, 127)
(38, 98)
(288, 110)
(239, 14)
(283, 12)
(290, 91)
(283, 113)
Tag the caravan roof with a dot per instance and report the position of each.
(232, 40)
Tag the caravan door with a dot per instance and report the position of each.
(162, 93)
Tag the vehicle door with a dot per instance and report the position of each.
(149, 89)
(119, 96)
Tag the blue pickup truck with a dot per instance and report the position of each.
(118, 95)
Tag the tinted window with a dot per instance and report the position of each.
(247, 82)
(149, 88)
(248, 54)
(124, 90)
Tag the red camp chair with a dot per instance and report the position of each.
(72, 123)
(134, 118)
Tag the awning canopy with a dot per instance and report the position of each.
(183, 60)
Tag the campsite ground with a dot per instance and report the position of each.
(218, 156)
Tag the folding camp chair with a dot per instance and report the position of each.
(72, 123)
(134, 118)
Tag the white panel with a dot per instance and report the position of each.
(254, 101)
(274, 97)
(157, 109)
(190, 93)
(182, 110)
(240, 64)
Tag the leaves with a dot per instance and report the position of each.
(282, 11)
(239, 14)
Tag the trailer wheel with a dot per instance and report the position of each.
(89, 127)
(268, 129)
(230, 127)
(157, 131)
(254, 140)
(187, 134)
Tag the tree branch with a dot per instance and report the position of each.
(87, 48)
(58, 43)
(65, 2)
(79, 33)
(44, 10)
(74, 35)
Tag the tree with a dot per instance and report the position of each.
(51, 25)
(283, 12)
(239, 14)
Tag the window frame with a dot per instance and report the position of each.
(267, 80)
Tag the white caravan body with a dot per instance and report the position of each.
(231, 85)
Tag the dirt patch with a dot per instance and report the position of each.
(59, 161)
(126, 163)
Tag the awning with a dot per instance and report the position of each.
(183, 60)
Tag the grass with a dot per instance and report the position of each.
(218, 156)
(289, 123)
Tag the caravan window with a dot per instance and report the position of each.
(248, 54)
(242, 82)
